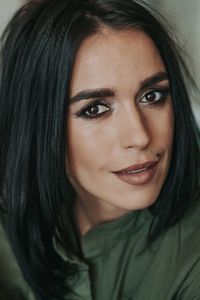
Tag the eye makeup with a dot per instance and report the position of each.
(99, 108)
(94, 110)
(155, 96)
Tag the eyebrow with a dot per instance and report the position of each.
(156, 78)
(108, 92)
(97, 93)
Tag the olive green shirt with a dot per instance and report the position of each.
(118, 267)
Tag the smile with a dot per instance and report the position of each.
(138, 174)
(135, 171)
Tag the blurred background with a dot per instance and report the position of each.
(183, 14)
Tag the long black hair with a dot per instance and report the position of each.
(39, 48)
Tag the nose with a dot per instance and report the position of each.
(133, 131)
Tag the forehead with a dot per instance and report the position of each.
(110, 57)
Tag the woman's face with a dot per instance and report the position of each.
(120, 123)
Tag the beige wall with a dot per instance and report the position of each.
(7, 8)
(186, 17)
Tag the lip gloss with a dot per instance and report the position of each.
(138, 178)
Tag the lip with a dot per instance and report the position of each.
(143, 173)
(147, 164)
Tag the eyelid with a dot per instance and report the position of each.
(155, 88)
(93, 102)
(165, 90)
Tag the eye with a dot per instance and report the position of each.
(94, 111)
(154, 96)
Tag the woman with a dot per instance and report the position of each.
(99, 153)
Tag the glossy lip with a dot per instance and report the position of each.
(148, 170)
(135, 167)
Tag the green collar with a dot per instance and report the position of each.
(103, 237)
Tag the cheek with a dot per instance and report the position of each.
(87, 145)
(163, 127)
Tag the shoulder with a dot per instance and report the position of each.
(181, 245)
(190, 232)
(12, 284)
(172, 262)
(187, 230)
(182, 240)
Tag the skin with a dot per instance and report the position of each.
(131, 130)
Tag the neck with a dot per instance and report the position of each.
(91, 213)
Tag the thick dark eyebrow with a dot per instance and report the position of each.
(88, 94)
(107, 92)
(154, 79)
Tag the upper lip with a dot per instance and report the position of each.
(139, 166)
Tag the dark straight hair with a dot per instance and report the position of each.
(39, 48)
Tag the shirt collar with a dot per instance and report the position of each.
(104, 236)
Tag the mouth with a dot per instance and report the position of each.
(138, 174)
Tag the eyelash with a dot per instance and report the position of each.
(84, 112)
(163, 91)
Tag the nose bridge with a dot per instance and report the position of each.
(133, 129)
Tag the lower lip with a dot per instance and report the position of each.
(138, 178)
